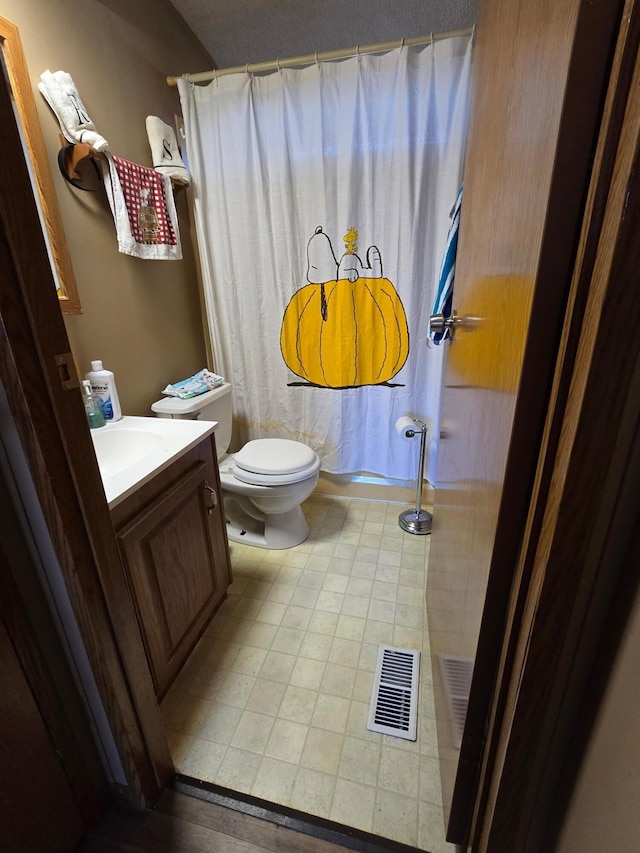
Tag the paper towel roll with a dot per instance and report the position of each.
(403, 424)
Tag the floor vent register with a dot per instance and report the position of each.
(394, 699)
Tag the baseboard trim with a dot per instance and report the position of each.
(373, 489)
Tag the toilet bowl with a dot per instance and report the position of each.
(263, 484)
(263, 508)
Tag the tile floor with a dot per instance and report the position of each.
(274, 699)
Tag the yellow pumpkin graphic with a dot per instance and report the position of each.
(348, 331)
(363, 341)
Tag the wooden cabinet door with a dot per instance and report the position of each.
(175, 555)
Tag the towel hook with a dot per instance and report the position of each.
(70, 155)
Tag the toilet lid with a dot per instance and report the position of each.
(275, 456)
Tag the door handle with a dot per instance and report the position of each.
(210, 497)
(440, 323)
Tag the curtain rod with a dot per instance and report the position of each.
(309, 58)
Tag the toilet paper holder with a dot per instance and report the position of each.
(418, 520)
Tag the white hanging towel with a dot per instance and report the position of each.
(164, 151)
(143, 209)
(59, 91)
(443, 303)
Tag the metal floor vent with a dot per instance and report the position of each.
(456, 675)
(394, 699)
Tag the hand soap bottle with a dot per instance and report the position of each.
(92, 406)
(103, 384)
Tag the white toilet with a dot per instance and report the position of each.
(263, 484)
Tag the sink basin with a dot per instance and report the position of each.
(131, 451)
(117, 449)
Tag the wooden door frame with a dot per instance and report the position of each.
(52, 427)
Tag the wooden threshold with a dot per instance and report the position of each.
(327, 832)
(193, 824)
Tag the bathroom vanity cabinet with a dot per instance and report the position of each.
(171, 534)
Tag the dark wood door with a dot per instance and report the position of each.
(535, 117)
(37, 807)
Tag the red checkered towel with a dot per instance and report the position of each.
(143, 209)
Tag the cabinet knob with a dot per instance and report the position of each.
(211, 498)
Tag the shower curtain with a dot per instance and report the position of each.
(322, 199)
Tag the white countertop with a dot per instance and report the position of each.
(131, 451)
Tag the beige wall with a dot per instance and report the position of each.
(142, 318)
(603, 814)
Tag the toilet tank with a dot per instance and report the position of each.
(211, 406)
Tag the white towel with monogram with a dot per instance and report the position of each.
(164, 151)
(59, 91)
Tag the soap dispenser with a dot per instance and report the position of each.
(92, 406)
(104, 385)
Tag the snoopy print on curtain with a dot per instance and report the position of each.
(347, 327)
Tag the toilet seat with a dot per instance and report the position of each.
(274, 462)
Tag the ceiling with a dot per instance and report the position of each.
(235, 32)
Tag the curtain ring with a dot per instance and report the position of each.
(402, 43)
(431, 38)
(278, 64)
(358, 52)
(317, 60)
